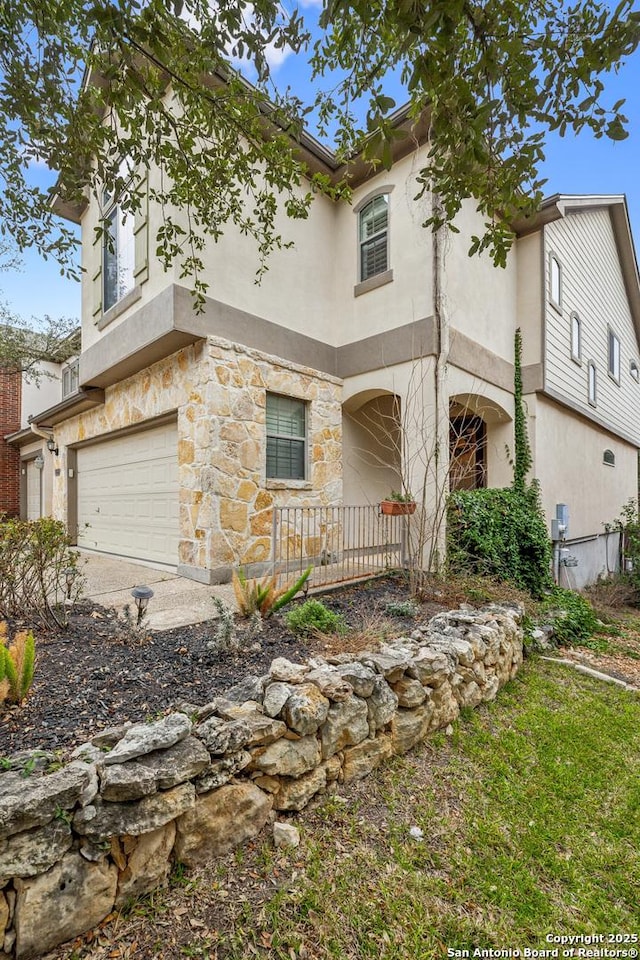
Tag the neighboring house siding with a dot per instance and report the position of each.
(41, 393)
(593, 287)
(10, 402)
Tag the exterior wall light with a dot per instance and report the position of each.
(39, 462)
(52, 447)
(141, 595)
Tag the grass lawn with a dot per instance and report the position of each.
(531, 822)
(530, 814)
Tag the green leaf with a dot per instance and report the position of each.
(616, 131)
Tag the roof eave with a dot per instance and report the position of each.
(85, 399)
(561, 204)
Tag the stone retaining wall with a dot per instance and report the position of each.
(78, 841)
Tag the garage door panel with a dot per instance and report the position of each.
(128, 495)
(34, 491)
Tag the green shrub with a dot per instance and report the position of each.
(572, 617)
(402, 608)
(35, 556)
(313, 617)
(500, 534)
(628, 523)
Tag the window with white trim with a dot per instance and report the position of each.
(286, 437)
(614, 356)
(70, 379)
(555, 281)
(634, 370)
(373, 226)
(576, 338)
(592, 383)
(609, 458)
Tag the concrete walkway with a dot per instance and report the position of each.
(176, 600)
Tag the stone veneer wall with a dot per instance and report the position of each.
(218, 392)
(77, 842)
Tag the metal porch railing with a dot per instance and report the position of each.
(341, 543)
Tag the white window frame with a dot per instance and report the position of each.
(634, 370)
(609, 458)
(555, 282)
(386, 276)
(300, 439)
(576, 338)
(364, 242)
(613, 355)
(70, 378)
(592, 384)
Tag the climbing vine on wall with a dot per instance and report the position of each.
(503, 533)
(523, 460)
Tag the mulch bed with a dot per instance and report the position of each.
(96, 675)
(622, 664)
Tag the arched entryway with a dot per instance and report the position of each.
(479, 431)
(372, 445)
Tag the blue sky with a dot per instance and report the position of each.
(573, 165)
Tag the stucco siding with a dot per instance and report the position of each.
(296, 291)
(408, 297)
(479, 298)
(529, 251)
(569, 465)
(40, 395)
(593, 288)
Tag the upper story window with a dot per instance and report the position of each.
(592, 385)
(286, 437)
(614, 356)
(70, 379)
(118, 253)
(576, 338)
(634, 370)
(555, 281)
(609, 458)
(374, 237)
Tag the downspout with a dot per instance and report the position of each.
(441, 431)
(38, 432)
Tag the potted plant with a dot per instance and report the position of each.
(398, 504)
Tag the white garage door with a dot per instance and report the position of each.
(128, 495)
(34, 488)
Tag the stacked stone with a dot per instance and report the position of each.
(80, 841)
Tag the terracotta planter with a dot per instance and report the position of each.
(397, 508)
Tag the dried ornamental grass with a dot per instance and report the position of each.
(17, 664)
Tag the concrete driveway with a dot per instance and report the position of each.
(176, 600)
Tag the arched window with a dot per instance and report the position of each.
(576, 338)
(591, 383)
(614, 356)
(609, 458)
(374, 237)
(555, 281)
(634, 370)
